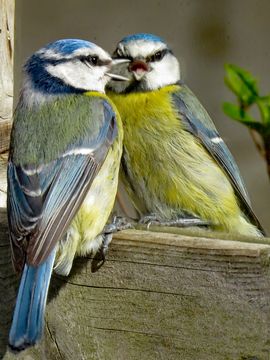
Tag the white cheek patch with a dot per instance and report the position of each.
(164, 72)
(80, 76)
(71, 73)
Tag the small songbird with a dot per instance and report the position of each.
(65, 151)
(175, 165)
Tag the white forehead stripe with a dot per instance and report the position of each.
(142, 48)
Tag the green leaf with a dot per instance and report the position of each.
(264, 107)
(238, 114)
(242, 84)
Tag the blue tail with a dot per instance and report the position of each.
(28, 317)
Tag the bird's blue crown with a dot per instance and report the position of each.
(68, 46)
(53, 53)
(142, 36)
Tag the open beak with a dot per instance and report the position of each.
(117, 77)
(139, 69)
(139, 74)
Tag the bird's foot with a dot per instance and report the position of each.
(103, 250)
(100, 256)
(150, 219)
(188, 221)
(119, 223)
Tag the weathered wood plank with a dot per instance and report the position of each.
(8, 283)
(3, 179)
(159, 296)
(6, 70)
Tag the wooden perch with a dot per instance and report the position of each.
(6, 70)
(166, 293)
(159, 295)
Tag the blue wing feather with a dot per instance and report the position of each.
(43, 199)
(197, 121)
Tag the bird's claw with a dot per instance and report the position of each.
(119, 223)
(153, 219)
(100, 256)
(150, 219)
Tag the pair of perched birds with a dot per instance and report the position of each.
(65, 154)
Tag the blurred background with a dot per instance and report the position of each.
(203, 34)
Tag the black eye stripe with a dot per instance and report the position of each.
(158, 55)
(93, 60)
(90, 59)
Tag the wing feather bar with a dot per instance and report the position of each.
(68, 192)
(43, 198)
(197, 121)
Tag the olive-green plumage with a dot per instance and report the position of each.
(65, 127)
(85, 232)
(65, 153)
(168, 171)
(82, 114)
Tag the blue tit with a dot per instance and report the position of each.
(174, 163)
(65, 151)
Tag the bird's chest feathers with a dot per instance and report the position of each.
(160, 157)
(148, 117)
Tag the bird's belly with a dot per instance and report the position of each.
(83, 234)
(167, 170)
(97, 206)
(175, 175)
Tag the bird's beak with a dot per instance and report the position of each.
(139, 68)
(119, 61)
(117, 77)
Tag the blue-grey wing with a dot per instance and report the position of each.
(197, 121)
(42, 200)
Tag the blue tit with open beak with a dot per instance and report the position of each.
(65, 150)
(175, 166)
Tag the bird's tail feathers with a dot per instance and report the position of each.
(28, 317)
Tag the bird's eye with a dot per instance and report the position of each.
(90, 59)
(94, 60)
(156, 57)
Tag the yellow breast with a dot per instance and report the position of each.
(83, 236)
(166, 169)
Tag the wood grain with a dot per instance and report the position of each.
(6, 70)
(158, 296)
(3, 179)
